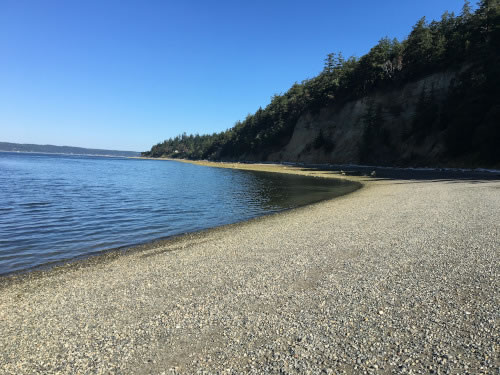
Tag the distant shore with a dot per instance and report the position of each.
(69, 154)
(399, 276)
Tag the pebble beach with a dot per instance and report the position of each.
(401, 276)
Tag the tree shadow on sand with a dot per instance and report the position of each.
(409, 175)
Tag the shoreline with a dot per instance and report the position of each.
(67, 154)
(110, 254)
(479, 171)
(398, 276)
(288, 168)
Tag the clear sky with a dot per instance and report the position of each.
(122, 74)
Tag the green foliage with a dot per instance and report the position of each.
(426, 115)
(470, 40)
(471, 114)
(373, 134)
(418, 48)
(324, 142)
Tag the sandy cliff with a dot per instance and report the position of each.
(344, 127)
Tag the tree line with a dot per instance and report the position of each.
(469, 42)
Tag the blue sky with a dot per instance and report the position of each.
(129, 74)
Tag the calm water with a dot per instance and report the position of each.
(58, 207)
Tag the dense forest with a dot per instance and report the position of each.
(468, 118)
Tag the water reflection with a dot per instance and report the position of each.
(282, 191)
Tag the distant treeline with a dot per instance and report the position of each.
(50, 149)
(470, 117)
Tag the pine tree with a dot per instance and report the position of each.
(329, 63)
(418, 47)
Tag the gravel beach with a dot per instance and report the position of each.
(401, 276)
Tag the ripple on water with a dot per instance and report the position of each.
(54, 207)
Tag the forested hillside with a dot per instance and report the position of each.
(51, 149)
(454, 116)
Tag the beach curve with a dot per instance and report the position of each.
(399, 276)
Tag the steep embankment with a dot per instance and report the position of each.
(343, 133)
(431, 100)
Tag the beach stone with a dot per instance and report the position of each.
(377, 281)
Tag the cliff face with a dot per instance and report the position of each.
(379, 124)
(431, 100)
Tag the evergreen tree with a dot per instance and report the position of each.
(469, 43)
(418, 48)
(330, 63)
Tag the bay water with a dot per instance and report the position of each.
(59, 207)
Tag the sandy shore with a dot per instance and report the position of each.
(401, 276)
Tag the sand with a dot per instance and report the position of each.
(401, 276)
